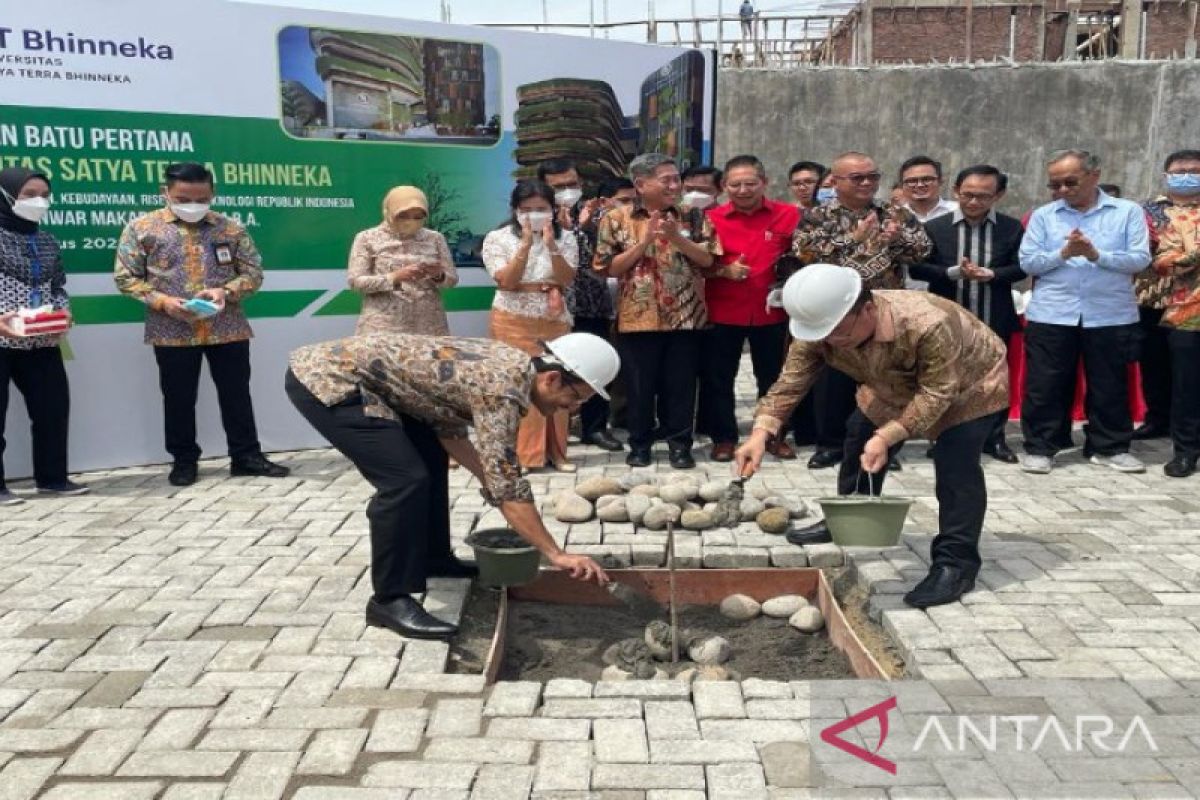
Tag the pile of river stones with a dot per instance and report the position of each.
(681, 499)
(649, 658)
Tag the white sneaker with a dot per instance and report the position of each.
(1038, 465)
(1121, 462)
(7, 498)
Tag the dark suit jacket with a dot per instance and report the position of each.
(998, 312)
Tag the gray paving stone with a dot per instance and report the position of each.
(736, 781)
(176, 729)
(563, 767)
(333, 752)
(420, 775)
(397, 731)
(648, 776)
(718, 700)
(102, 752)
(349, 793)
(539, 729)
(456, 717)
(262, 776)
(592, 708)
(177, 764)
(480, 751)
(109, 790)
(759, 731)
(21, 778)
(558, 688)
(513, 699)
(671, 720)
(502, 782)
(620, 740)
(667, 751)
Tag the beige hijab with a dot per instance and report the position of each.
(403, 198)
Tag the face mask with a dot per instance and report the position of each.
(31, 208)
(697, 200)
(190, 212)
(567, 197)
(408, 227)
(536, 219)
(1179, 184)
(825, 194)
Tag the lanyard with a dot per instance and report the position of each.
(35, 293)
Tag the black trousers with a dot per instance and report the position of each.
(1155, 364)
(1185, 389)
(593, 415)
(41, 379)
(1052, 354)
(179, 380)
(826, 408)
(719, 368)
(410, 512)
(660, 371)
(958, 480)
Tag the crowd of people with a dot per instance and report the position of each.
(868, 321)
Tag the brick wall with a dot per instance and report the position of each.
(919, 35)
(1167, 30)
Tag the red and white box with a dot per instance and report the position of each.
(40, 321)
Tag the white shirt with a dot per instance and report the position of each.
(500, 245)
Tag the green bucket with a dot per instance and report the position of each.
(865, 521)
(503, 557)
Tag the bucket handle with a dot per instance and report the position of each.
(870, 485)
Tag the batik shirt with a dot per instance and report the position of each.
(665, 291)
(446, 382)
(18, 289)
(415, 306)
(1180, 242)
(931, 365)
(826, 236)
(587, 296)
(1152, 288)
(160, 256)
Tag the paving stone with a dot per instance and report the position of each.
(620, 740)
(563, 767)
(177, 764)
(102, 752)
(718, 700)
(333, 752)
(456, 717)
(21, 778)
(176, 729)
(349, 793)
(420, 775)
(592, 708)
(539, 729)
(648, 776)
(502, 782)
(513, 699)
(262, 776)
(255, 739)
(557, 688)
(480, 751)
(759, 731)
(735, 781)
(823, 555)
(109, 790)
(666, 751)
(19, 740)
(671, 720)
(397, 731)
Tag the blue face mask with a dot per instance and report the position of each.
(825, 194)
(1183, 184)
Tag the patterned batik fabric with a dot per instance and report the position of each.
(1178, 259)
(826, 236)
(17, 290)
(414, 306)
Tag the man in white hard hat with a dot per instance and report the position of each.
(927, 368)
(396, 404)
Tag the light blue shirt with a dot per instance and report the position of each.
(1078, 291)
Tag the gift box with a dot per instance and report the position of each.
(40, 321)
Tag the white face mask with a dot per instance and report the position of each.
(190, 212)
(536, 219)
(697, 200)
(31, 208)
(567, 197)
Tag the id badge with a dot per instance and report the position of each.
(223, 254)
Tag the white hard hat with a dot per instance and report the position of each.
(588, 357)
(818, 297)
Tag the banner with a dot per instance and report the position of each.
(306, 118)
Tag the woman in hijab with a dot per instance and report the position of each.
(532, 260)
(399, 266)
(31, 276)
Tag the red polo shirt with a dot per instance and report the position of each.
(760, 239)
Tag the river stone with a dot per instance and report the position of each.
(615, 673)
(613, 511)
(713, 490)
(595, 488)
(636, 506)
(706, 672)
(674, 493)
(807, 620)
(740, 607)
(710, 650)
(658, 638)
(694, 520)
(626, 653)
(631, 480)
(762, 492)
(656, 517)
(796, 508)
(774, 520)
(645, 490)
(572, 508)
(784, 606)
(750, 508)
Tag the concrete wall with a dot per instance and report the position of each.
(1130, 113)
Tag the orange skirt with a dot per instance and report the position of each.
(540, 439)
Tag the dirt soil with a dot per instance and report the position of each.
(548, 640)
(853, 601)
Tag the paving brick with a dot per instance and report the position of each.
(255, 739)
(21, 778)
(398, 731)
(109, 790)
(563, 767)
(102, 752)
(20, 740)
(262, 776)
(655, 690)
(348, 793)
(502, 782)
(620, 740)
(759, 731)
(333, 752)
(592, 708)
(539, 729)
(480, 751)
(735, 781)
(456, 717)
(177, 764)
(177, 729)
(648, 776)
(513, 699)
(718, 699)
(566, 688)
(666, 751)
(420, 775)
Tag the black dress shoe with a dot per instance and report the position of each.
(258, 466)
(944, 584)
(406, 617)
(930, 451)
(605, 441)
(638, 457)
(183, 473)
(1001, 452)
(817, 533)
(825, 458)
(451, 568)
(894, 464)
(1180, 466)
(681, 458)
(1148, 430)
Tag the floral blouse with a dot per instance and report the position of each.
(500, 245)
(17, 254)
(1178, 259)
(414, 306)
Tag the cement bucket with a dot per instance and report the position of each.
(865, 521)
(503, 557)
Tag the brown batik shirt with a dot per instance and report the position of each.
(446, 382)
(930, 366)
(826, 236)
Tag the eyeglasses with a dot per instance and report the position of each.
(669, 180)
(804, 182)
(860, 177)
(920, 180)
(1069, 183)
(580, 398)
(972, 197)
(1184, 171)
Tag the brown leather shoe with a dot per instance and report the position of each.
(722, 451)
(781, 449)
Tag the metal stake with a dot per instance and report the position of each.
(671, 591)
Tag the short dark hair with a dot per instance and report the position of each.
(745, 160)
(610, 186)
(864, 296)
(983, 171)
(1181, 155)
(921, 161)
(700, 170)
(808, 166)
(523, 191)
(548, 363)
(1110, 188)
(187, 172)
(555, 166)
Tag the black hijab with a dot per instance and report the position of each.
(12, 180)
